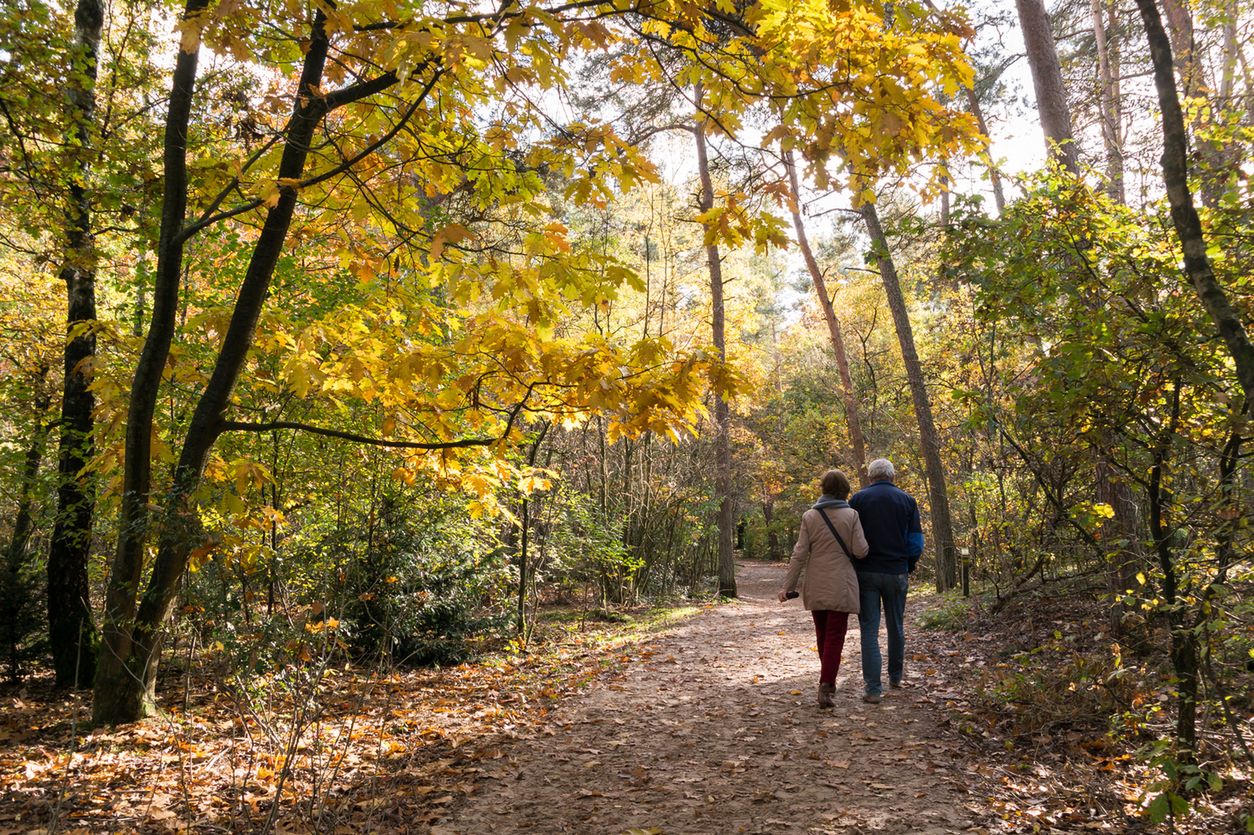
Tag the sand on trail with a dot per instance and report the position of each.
(717, 730)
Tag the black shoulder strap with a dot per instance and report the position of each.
(832, 528)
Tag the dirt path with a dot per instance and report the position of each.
(717, 731)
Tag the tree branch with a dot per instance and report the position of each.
(271, 426)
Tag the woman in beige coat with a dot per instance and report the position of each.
(830, 537)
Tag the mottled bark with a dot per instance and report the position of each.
(1184, 47)
(856, 442)
(722, 415)
(938, 493)
(1051, 96)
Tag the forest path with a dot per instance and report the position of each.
(717, 731)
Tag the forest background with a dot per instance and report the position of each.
(384, 333)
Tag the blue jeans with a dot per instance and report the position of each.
(890, 590)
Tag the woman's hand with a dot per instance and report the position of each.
(783, 597)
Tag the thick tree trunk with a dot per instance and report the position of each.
(121, 693)
(722, 415)
(773, 551)
(116, 698)
(71, 631)
(1183, 213)
(938, 494)
(132, 689)
(1112, 120)
(856, 442)
(1051, 96)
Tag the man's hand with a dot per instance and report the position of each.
(783, 597)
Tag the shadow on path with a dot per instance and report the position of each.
(717, 731)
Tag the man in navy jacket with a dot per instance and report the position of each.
(890, 519)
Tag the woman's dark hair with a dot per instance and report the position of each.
(835, 484)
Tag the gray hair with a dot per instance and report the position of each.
(881, 469)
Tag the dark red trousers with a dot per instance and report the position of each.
(829, 628)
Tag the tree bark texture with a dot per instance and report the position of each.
(1184, 47)
(722, 415)
(116, 697)
(179, 532)
(1183, 213)
(938, 494)
(1051, 96)
(856, 442)
(1112, 121)
(71, 630)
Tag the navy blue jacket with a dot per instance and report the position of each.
(890, 519)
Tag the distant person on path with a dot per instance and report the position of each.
(830, 539)
(890, 518)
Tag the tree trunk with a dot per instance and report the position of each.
(856, 442)
(1184, 47)
(115, 698)
(1184, 649)
(772, 536)
(1051, 96)
(71, 631)
(1219, 163)
(942, 527)
(125, 690)
(722, 415)
(1183, 213)
(1112, 121)
(1126, 529)
(15, 602)
(994, 176)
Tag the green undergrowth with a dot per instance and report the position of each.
(945, 611)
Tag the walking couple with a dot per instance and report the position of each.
(857, 555)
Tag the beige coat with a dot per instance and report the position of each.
(830, 581)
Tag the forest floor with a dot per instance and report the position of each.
(684, 721)
(718, 731)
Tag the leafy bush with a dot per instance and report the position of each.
(426, 586)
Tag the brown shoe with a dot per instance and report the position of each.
(871, 698)
(825, 695)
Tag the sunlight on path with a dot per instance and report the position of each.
(717, 732)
